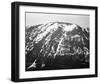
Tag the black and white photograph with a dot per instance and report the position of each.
(56, 41)
(53, 41)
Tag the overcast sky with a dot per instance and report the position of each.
(43, 18)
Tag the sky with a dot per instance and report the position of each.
(43, 18)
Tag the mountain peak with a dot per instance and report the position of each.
(57, 39)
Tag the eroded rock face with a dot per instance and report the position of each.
(56, 44)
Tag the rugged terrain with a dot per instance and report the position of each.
(56, 45)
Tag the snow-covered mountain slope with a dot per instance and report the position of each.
(56, 39)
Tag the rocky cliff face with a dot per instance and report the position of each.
(57, 44)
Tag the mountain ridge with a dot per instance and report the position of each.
(57, 39)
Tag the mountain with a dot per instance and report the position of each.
(56, 45)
